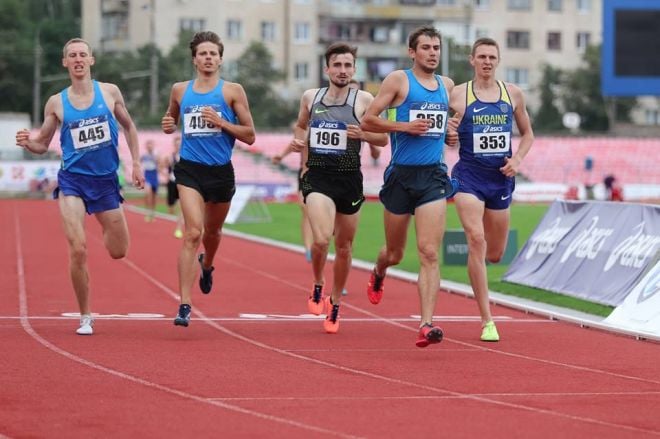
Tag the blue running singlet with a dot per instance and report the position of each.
(420, 103)
(485, 129)
(89, 137)
(202, 142)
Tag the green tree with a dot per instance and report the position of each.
(548, 117)
(23, 24)
(255, 72)
(582, 94)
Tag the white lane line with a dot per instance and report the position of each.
(378, 377)
(25, 323)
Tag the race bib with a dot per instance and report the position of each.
(92, 133)
(195, 125)
(491, 142)
(327, 137)
(435, 112)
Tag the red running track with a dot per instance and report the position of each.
(252, 364)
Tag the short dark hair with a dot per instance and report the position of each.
(485, 41)
(338, 49)
(203, 37)
(429, 31)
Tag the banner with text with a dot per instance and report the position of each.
(591, 250)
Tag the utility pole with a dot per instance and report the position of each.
(36, 81)
(153, 67)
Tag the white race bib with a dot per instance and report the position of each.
(328, 137)
(195, 125)
(434, 112)
(92, 133)
(491, 143)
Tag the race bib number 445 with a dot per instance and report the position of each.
(327, 137)
(436, 113)
(194, 123)
(91, 133)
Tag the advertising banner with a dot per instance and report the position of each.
(21, 176)
(592, 250)
(640, 311)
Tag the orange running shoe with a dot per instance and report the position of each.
(428, 334)
(375, 288)
(315, 301)
(331, 322)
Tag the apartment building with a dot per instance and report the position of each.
(530, 32)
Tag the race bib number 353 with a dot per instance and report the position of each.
(92, 133)
(436, 113)
(491, 142)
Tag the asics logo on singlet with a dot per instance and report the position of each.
(476, 110)
(431, 106)
(490, 129)
(90, 121)
(325, 124)
(320, 110)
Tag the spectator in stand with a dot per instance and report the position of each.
(613, 190)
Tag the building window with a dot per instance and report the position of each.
(481, 4)
(481, 33)
(301, 71)
(584, 6)
(192, 24)
(301, 32)
(234, 30)
(517, 39)
(554, 41)
(652, 117)
(268, 31)
(582, 40)
(446, 2)
(520, 5)
(520, 77)
(380, 34)
(554, 5)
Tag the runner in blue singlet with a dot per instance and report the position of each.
(416, 181)
(88, 112)
(485, 110)
(213, 113)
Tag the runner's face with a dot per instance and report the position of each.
(340, 69)
(427, 54)
(207, 59)
(485, 61)
(78, 60)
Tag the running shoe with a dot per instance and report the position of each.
(183, 317)
(428, 334)
(489, 332)
(86, 325)
(178, 234)
(206, 277)
(331, 322)
(315, 301)
(375, 288)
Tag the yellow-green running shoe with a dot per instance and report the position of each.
(489, 332)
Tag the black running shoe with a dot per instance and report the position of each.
(183, 317)
(206, 278)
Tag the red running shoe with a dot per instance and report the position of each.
(428, 334)
(315, 301)
(331, 322)
(375, 288)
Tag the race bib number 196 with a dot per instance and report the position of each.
(327, 137)
(92, 133)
